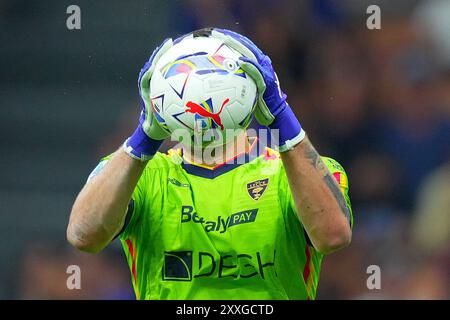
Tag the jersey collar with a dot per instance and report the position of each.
(213, 172)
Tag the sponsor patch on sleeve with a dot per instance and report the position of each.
(341, 180)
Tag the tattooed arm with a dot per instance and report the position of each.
(100, 209)
(319, 201)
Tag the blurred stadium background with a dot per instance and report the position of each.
(378, 101)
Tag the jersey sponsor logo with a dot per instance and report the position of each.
(221, 224)
(188, 265)
(256, 188)
(177, 266)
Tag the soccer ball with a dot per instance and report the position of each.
(199, 90)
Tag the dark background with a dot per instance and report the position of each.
(378, 101)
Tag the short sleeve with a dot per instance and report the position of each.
(135, 209)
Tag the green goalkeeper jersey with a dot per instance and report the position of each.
(228, 233)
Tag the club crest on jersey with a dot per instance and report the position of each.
(256, 188)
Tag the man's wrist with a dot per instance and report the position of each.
(290, 132)
(140, 146)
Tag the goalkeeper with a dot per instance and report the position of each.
(190, 230)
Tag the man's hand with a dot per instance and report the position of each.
(272, 110)
(149, 135)
(319, 202)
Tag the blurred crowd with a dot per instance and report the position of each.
(378, 101)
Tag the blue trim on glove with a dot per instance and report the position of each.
(140, 146)
(274, 103)
(287, 124)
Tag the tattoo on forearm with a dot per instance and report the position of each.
(336, 191)
(317, 162)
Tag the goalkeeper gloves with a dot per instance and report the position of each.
(272, 109)
(149, 135)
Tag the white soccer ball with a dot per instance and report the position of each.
(199, 87)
